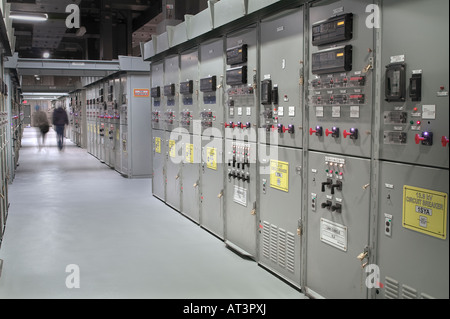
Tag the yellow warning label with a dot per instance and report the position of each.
(279, 175)
(425, 211)
(211, 158)
(341, 23)
(158, 145)
(189, 153)
(340, 54)
(172, 150)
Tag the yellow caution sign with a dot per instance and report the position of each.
(189, 153)
(279, 175)
(158, 145)
(172, 150)
(425, 211)
(211, 158)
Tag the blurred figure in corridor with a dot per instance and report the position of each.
(42, 123)
(60, 120)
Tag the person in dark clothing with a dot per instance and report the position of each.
(41, 122)
(60, 120)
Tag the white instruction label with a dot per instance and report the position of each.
(354, 112)
(319, 111)
(280, 111)
(333, 234)
(240, 195)
(336, 111)
(429, 112)
(291, 111)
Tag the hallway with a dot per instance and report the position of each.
(66, 208)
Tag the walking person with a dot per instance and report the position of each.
(42, 123)
(60, 120)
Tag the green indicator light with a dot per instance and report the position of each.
(412, 122)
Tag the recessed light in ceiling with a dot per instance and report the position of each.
(29, 16)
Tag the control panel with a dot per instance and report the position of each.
(156, 95)
(170, 90)
(211, 85)
(282, 80)
(240, 203)
(241, 112)
(338, 221)
(414, 122)
(340, 81)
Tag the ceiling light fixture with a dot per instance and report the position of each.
(46, 55)
(29, 16)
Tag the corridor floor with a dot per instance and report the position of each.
(70, 214)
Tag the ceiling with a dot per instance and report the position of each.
(113, 27)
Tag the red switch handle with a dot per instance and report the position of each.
(346, 134)
(311, 131)
(328, 132)
(419, 139)
(285, 129)
(227, 125)
(273, 128)
(445, 140)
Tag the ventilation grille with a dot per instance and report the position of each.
(391, 288)
(266, 240)
(408, 292)
(279, 246)
(290, 258)
(392, 291)
(282, 248)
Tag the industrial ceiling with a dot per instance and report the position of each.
(108, 28)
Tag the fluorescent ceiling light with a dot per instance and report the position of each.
(46, 94)
(25, 16)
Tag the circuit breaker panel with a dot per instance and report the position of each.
(415, 85)
(340, 80)
(102, 131)
(191, 145)
(338, 225)
(211, 74)
(413, 242)
(240, 202)
(211, 77)
(156, 92)
(173, 169)
(314, 140)
(212, 186)
(189, 92)
(123, 121)
(171, 92)
(281, 79)
(191, 187)
(280, 225)
(241, 111)
(159, 164)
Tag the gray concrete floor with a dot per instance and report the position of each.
(69, 209)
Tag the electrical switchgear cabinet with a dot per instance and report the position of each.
(413, 241)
